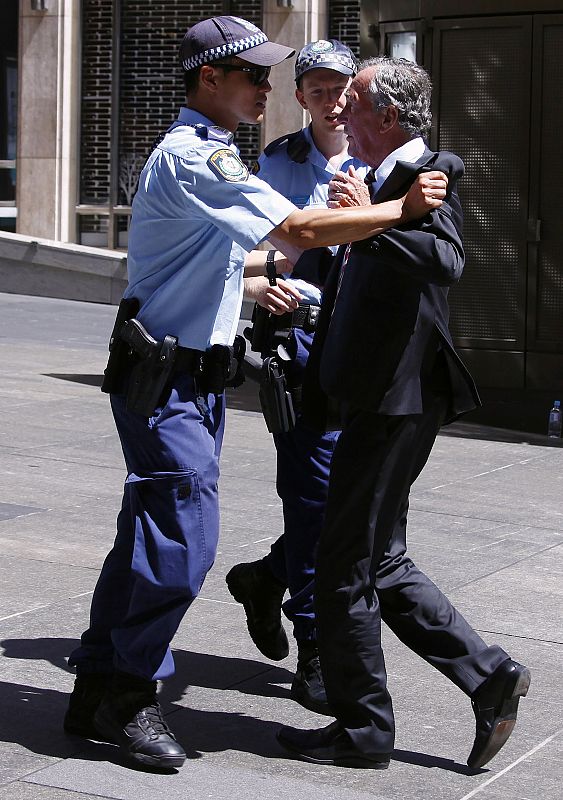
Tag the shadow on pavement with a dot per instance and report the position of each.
(244, 398)
(472, 430)
(434, 762)
(33, 716)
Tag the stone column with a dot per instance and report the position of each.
(305, 22)
(48, 119)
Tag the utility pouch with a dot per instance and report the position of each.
(222, 367)
(236, 370)
(275, 398)
(116, 371)
(153, 370)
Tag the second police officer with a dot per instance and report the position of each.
(300, 166)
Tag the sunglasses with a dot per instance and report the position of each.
(257, 75)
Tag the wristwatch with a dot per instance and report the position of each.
(271, 272)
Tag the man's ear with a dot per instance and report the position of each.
(301, 99)
(208, 77)
(390, 119)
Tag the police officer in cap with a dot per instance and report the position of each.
(300, 165)
(196, 215)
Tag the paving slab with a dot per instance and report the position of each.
(485, 523)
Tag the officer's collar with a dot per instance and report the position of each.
(315, 155)
(204, 127)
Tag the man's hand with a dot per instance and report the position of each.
(426, 193)
(347, 189)
(278, 299)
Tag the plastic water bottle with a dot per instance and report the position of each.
(554, 425)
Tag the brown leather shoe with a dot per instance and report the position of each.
(330, 745)
(495, 704)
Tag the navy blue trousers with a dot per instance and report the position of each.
(167, 533)
(364, 575)
(303, 464)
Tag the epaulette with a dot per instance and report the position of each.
(214, 132)
(297, 146)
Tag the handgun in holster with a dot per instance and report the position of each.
(153, 369)
(275, 397)
(120, 354)
(267, 331)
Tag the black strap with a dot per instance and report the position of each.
(271, 272)
(298, 146)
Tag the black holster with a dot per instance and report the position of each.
(120, 354)
(149, 377)
(275, 397)
(141, 367)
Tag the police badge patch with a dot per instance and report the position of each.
(227, 165)
(322, 46)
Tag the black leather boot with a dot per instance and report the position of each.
(308, 687)
(130, 715)
(254, 586)
(89, 688)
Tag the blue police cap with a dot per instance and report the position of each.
(326, 54)
(220, 37)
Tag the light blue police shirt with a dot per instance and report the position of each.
(196, 214)
(306, 186)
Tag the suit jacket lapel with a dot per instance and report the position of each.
(403, 174)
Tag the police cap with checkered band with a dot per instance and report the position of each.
(326, 54)
(220, 37)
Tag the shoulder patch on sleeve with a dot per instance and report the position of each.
(227, 165)
(255, 168)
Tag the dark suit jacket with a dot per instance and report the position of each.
(378, 333)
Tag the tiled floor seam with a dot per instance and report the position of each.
(519, 760)
(504, 567)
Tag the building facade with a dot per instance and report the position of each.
(87, 85)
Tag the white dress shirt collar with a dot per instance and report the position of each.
(411, 151)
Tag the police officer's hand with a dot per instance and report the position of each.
(426, 193)
(278, 299)
(347, 189)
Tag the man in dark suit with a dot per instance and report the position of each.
(383, 358)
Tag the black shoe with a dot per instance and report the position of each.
(330, 745)
(308, 687)
(130, 716)
(495, 704)
(261, 594)
(89, 688)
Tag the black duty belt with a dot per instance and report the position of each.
(304, 317)
(187, 359)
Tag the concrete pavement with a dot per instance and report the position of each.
(486, 523)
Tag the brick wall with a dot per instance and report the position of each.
(344, 23)
(96, 101)
(151, 89)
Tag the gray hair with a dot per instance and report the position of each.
(405, 85)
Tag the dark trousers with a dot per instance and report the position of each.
(363, 575)
(167, 532)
